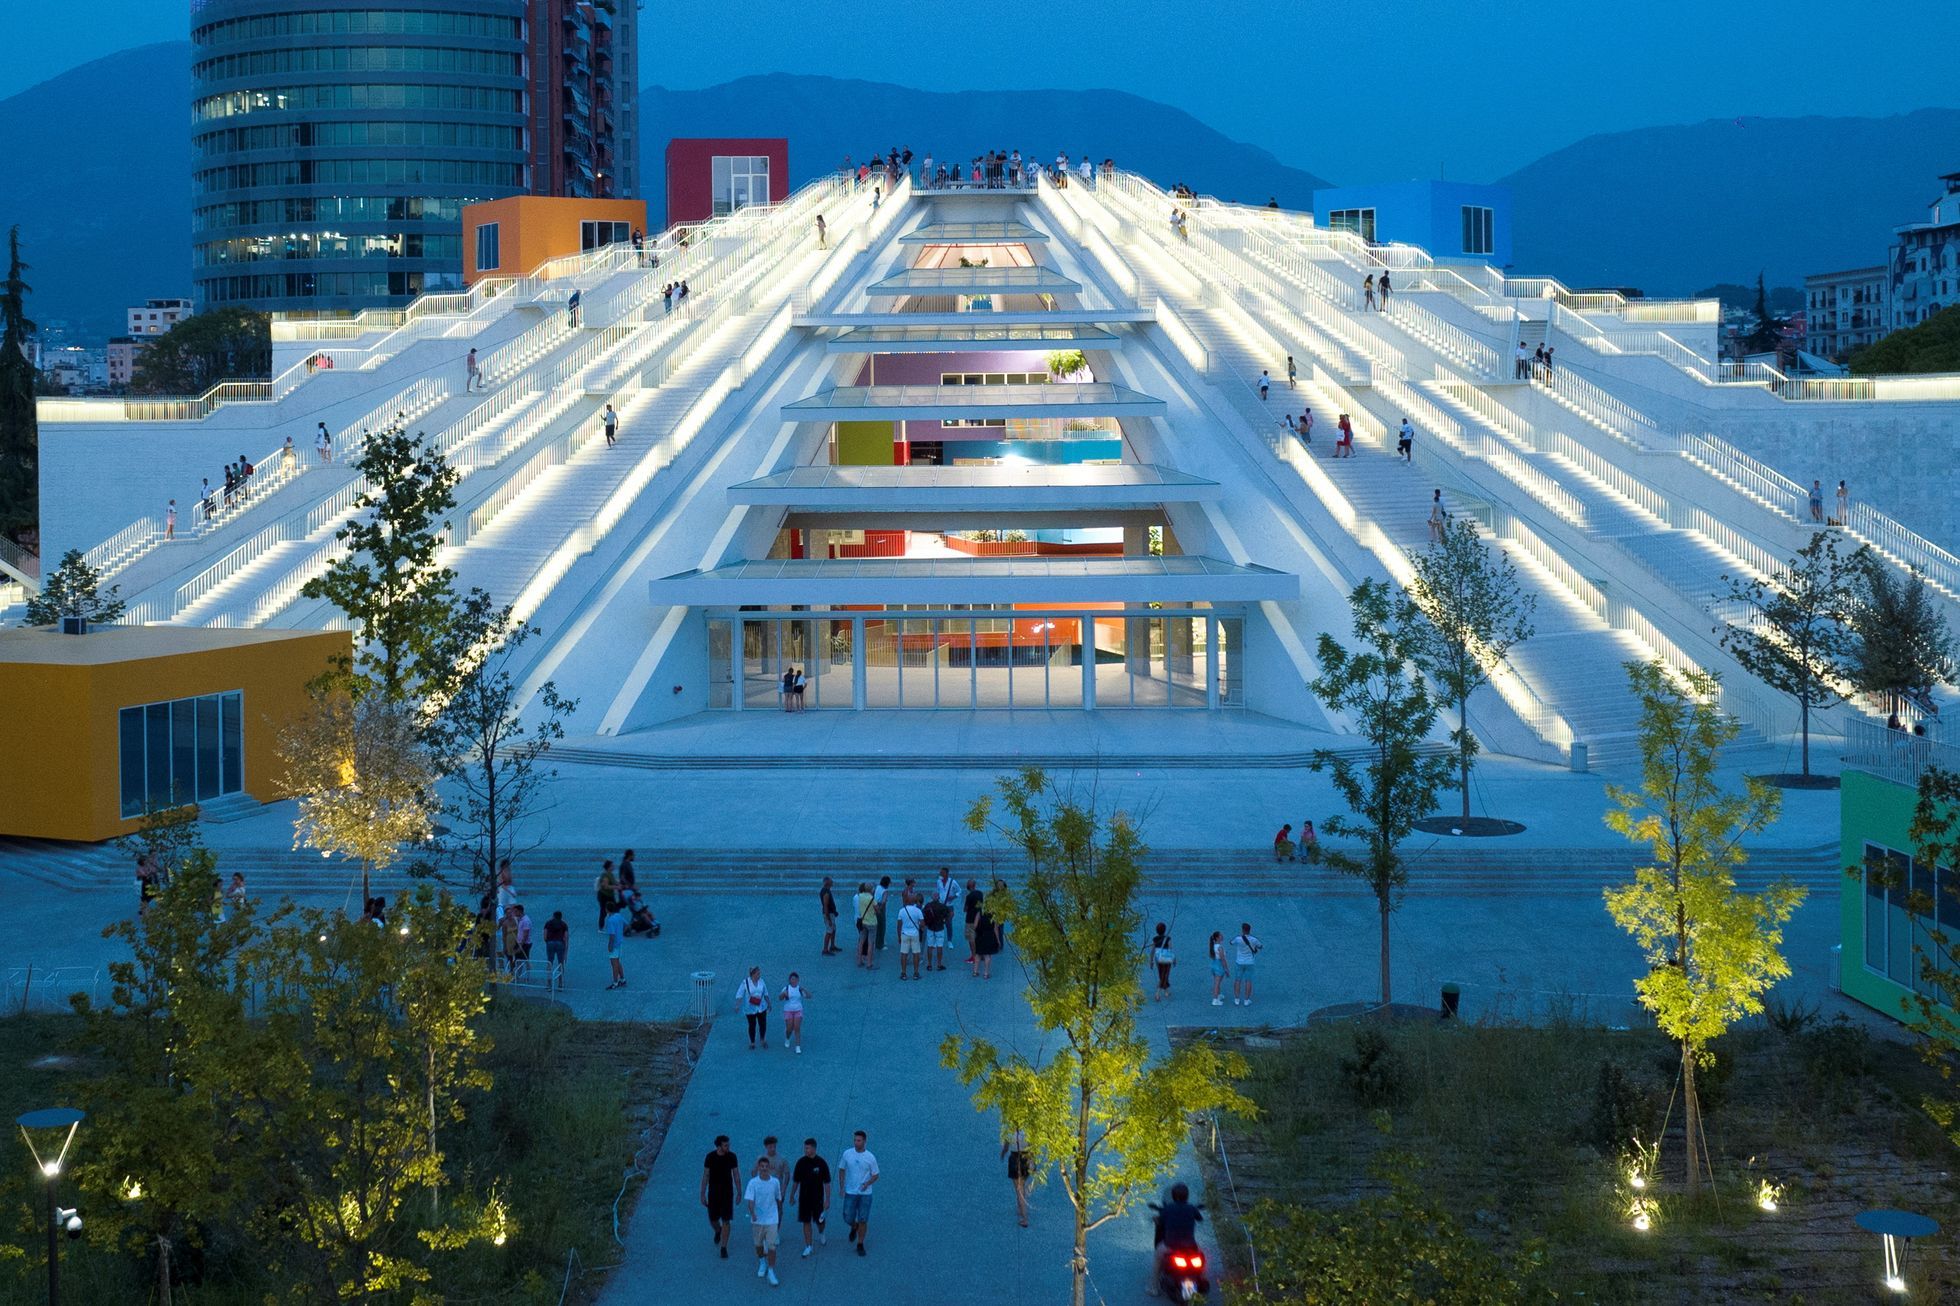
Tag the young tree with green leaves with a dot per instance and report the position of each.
(1477, 614)
(378, 1036)
(1099, 1109)
(20, 438)
(1900, 644)
(1380, 687)
(176, 1052)
(389, 583)
(197, 352)
(495, 760)
(363, 775)
(1799, 637)
(73, 589)
(1712, 950)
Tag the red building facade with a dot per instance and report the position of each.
(711, 175)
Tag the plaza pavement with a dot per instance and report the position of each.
(943, 1226)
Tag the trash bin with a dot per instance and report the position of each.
(1452, 995)
(704, 981)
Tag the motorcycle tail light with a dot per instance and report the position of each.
(1196, 1261)
(1180, 1261)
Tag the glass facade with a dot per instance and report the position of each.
(340, 139)
(967, 659)
(1904, 900)
(738, 180)
(181, 751)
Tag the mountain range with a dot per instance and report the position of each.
(97, 174)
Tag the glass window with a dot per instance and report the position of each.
(1359, 221)
(233, 743)
(132, 761)
(156, 753)
(1231, 661)
(1479, 227)
(1898, 918)
(593, 235)
(183, 750)
(210, 768)
(721, 675)
(489, 248)
(1875, 908)
(738, 180)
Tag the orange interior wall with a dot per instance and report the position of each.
(533, 229)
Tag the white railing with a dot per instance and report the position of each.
(1896, 755)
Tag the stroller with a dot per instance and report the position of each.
(639, 916)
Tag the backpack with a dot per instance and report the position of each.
(935, 915)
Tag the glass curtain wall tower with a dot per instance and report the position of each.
(335, 142)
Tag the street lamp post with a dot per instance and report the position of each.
(59, 1122)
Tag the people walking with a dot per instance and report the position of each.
(1014, 1147)
(911, 931)
(1265, 384)
(810, 1185)
(1405, 442)
(1344, 445)
(323, 444)
(1220, 972)
(970, 915)
(857, 1171)
(287, 454)
(1245, 952)
(606, 890)
(1521, 366)
(1439, 517)
(1817, 501)
(793, 996)
(763, 1195)
(1163, 958)
(1368, 291)
(472, 373)
(1292, 373)
(1304, 427)
(718, 1171)
(1381, 291)
(823, 233)
(1843, 504)
(611, 421)
(572, 306)
(752, 996)
(170, 520)
(827, 903)
(865, 914)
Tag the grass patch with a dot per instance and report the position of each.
(573, 1104)
(1504, 1119)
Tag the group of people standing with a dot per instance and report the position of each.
(623, 912)
(925, 923)
(1234, 959)
(774, 1183)
(1533, 364)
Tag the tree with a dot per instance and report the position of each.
(20, 440)
(1099, 1109)
(1381, 690)
(1712, 951)
(1798, 639)
(73, 589)
(363, 775)
(1929, 346)
(1900, 644)
(177, 1053)
(389, 583)
(1477, 614)
(378, 1037)
(494, 759)
(219, 344)
(1767, 335)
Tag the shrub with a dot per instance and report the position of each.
(1835, 1056)
(1376, 1074)
(1790, 1018)
(1622, 1111)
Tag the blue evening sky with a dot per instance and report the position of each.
(1355, 92)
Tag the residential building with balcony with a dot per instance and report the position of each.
(1845, 311)
(153, 317)
(1924, 267)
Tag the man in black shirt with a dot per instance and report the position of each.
(718, 1171)
(809, 1184)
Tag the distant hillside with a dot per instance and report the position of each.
(825, 118)
(1669, 209)
(97, 174)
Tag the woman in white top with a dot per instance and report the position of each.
(792, 995)
(1014, 1146)
(752, 996)
(1220, 971)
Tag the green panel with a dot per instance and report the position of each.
(1876, 811)
(864, 444)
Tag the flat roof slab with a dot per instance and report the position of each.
(975, 281)
(978, 337)
(1035, 486)
(834, 582)
(972, 233)
(925, 403)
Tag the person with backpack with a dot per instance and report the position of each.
(936, 918)
(1163, 958)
